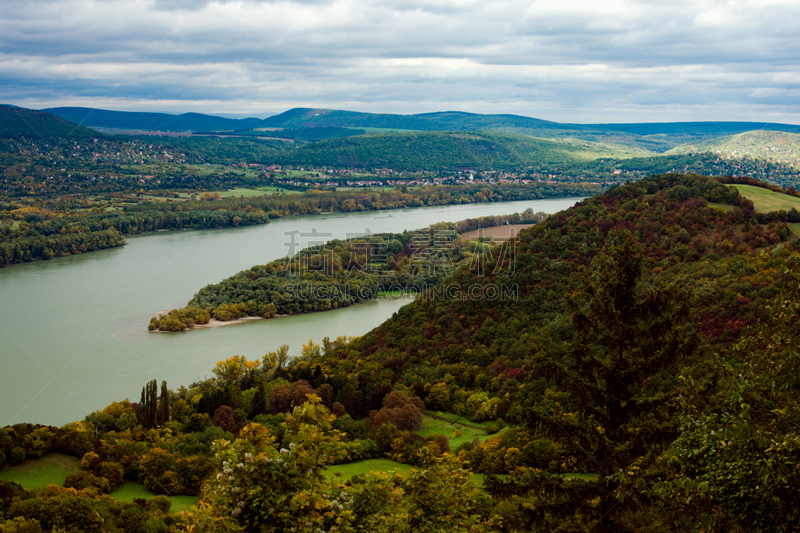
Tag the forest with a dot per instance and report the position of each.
(644, 379)
(341, 273)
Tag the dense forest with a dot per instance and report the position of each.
(645, 378)
(341, 273)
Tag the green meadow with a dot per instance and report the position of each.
(50, 469)
(765, 200)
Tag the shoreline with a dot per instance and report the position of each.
(214, 323)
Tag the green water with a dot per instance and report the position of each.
(73, 330)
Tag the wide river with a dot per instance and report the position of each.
(73, 330)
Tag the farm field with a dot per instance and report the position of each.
(497, 233)
(128, 491)
(50, 469)
(765, 200)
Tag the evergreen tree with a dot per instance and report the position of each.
(163, 405)
(623, 336)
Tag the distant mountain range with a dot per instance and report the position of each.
(654, 137)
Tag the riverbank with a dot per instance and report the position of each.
(214, 323)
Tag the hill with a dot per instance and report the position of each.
(612, 334)
(656, 137)
(20, 122)
(779, 146)
(130, 120)
(442, 151)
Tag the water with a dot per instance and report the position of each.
(73, 330)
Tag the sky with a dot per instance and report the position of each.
(580, 61)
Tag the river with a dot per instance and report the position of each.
(73, 330)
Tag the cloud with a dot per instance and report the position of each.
(567, 60)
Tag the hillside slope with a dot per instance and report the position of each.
(20, 122)
(777, 146)
(612, 334)
(130, 120)
(437, 151)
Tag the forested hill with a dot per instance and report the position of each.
(18, 122)
(132, 120)
(613, 334)
(440, 151)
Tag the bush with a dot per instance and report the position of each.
(18, 454)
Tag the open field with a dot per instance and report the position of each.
(346, 471)
(497, 233)
(50, 469)
(249, 193)
(469, 430)
(765, 200)
(795, 228)
(128, 491)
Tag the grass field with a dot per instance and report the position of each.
(433, 426)
(50, 469)
(249, 193)
(346, 471)
(765, 200)
(497, 233)
(128, 491)
(795, 228)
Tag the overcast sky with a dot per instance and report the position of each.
(561, 60)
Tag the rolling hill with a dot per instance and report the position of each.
(781, 146)
(129, 120)
(656, 137)
(439, 151)
(19, 122)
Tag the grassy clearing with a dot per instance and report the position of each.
(382, 130)
(447, 427)
(765, 200)
(128, 491)
(795, 228)
(50, 469)
(250, 193)
(15, 225)
(346, 471)
(497, 233)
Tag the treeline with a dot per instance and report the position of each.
(43, 234)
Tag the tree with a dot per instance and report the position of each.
(277, 359)
(268, 489)
(163, 405)
(147, 409)
(623, 335)
(311, 351)
(738, 462)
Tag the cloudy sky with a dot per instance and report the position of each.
(562, 60)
